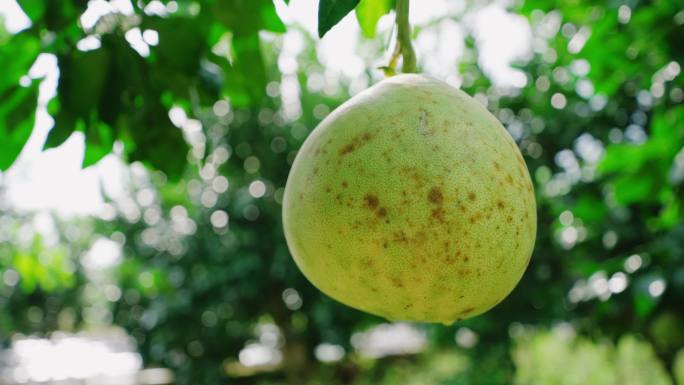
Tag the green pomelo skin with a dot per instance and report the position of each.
(411, 202)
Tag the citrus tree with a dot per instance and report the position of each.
(599, 122)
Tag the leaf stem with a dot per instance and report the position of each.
(404, 45)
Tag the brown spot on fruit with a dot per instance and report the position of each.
(347, 149)
(500, 205)
(467, 311)
(438, 214)
(357, 142)
(475, 217)
(397, 282)
(382, 212)
(472, 196)
(435, 195)
(413, 173)
(345, 184)
(420, 238)
(328, 189)
(400, 237)
(371, 201)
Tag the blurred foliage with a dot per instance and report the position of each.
(558, 357)
(40, 274)
(600, 122)
(679, 368)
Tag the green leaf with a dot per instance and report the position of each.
(34, 9)
(17, 104)
(590, 209)
(368, 12)
(17, 55)
(270, 19)
(82, 84)
(99, 141)
(244, 17)
(246, 77)
(671, 213)
(623, 158)
(63, 16)
(82, 80)
(25, 266)
(181, 43)
(63, 127)
(632, 189)
(644, 303)
(17, 116)
(158, 143)
(330, 12)
(175, 61)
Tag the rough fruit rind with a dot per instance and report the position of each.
(412, 202)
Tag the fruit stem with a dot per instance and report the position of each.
(403, 46)
(404, 37)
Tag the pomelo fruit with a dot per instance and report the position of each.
(412, 202)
